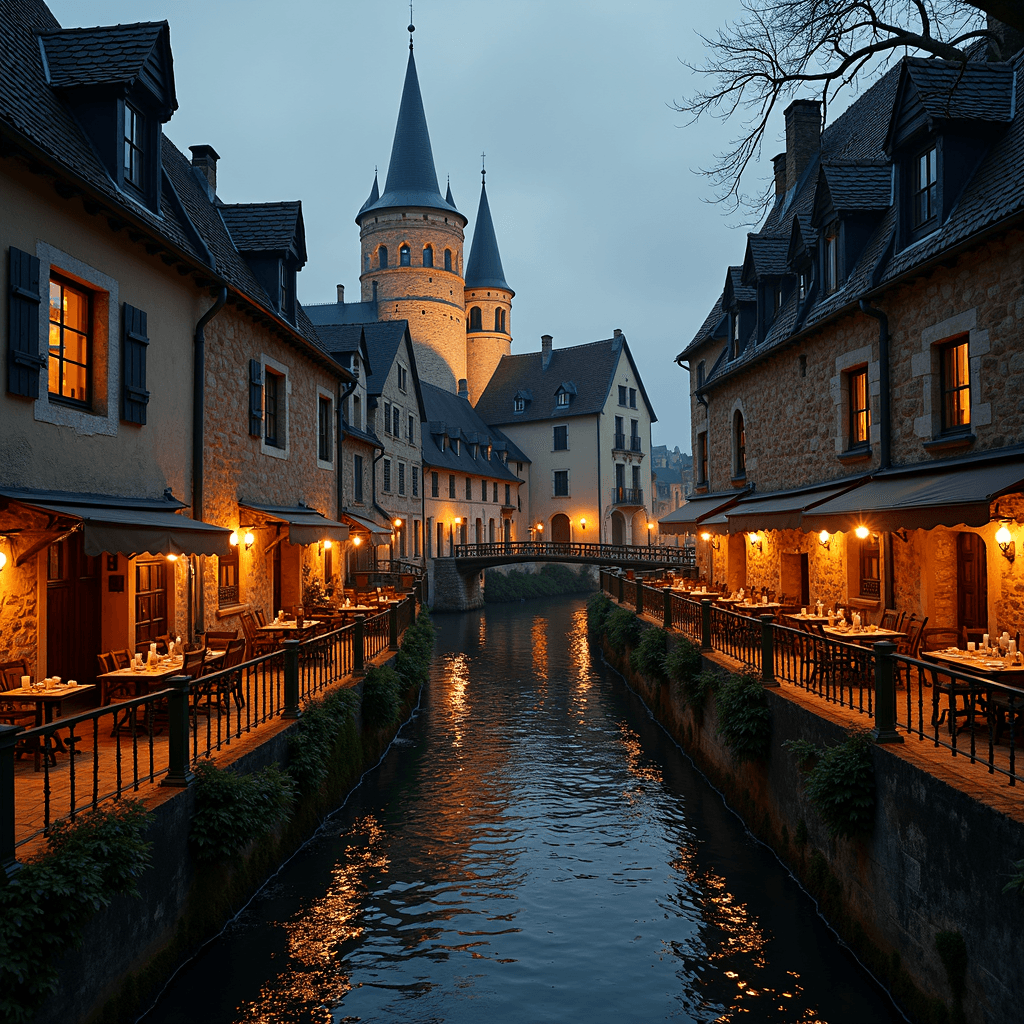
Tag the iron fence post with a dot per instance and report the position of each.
(393, 627)
(639, 595)
(666, 618)
(179, 771)
(8, 861)
(291, 678)
(358, 659)
(768, 652)
(885, 694)
(705, 624)
(622, 588)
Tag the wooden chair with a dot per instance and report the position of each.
(122, 659)
(256, 643)
(971, 635)
(261, 619)
(234, 655)
(938, 638)
(10, 679)
(218, 640)
(911, 644)
(889, 619)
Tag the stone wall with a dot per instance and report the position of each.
(450, 590)
(485, 348)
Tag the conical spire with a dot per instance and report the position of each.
(484, 267)
(374, 195)
(412, 180)
(448, 198)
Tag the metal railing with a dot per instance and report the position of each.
(627, 495)
(109, 752)
(618, 553)
(968, 715)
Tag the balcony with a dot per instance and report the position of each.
(620, 443)
(628, 496)
(634, 443)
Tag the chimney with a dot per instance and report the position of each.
(617, 333)
(204, 160)
(779, 163)
(545, 351)
(463, 389)
(803, 137)
(341, 294)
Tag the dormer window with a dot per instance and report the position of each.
(802, 285)
(519, 404)
(924, 202)
(455, 445)
(283, 289)
(831, 259)
(563, 399)
(134, 142)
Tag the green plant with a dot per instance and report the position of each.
(839, 782)
(744, 718)
(599, 607)
(1016, 879)
(683, 662)
(44, 907)
(623, 630)
(232, 810)
(382, 697)
(315, 736)
(313, 591)
(415, 654)
(648, 657)
(552, 580)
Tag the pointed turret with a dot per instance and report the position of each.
(411, 180)
(448, 198)
(374, 196)
(484, 267)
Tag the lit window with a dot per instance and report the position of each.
(70, 342)
(956, 386)
(870, 567)
(227, 572)
(563, 398)
(404, 256)
(860, 413)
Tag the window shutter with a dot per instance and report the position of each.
(23, 359)
(255, 398)
(134, 342)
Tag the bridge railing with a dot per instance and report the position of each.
(623, 553)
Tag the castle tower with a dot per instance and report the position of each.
(488, 303)
(411, 242)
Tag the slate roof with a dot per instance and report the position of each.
(591, 368)
(446, 412)
(111, 55)
(412, 180)
(33, 116)
(266, 227)
(342, 312)
(857, 170)
(484, 267)
(766, 256)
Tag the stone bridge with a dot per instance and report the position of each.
(455, 581)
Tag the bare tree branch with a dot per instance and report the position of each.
(780, 49)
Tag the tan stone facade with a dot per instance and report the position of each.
(485, 347)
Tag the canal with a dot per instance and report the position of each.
(533, 848)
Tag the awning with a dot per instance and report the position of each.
(955, 495)
(380, 534)
(305, 525)
(129, 526)
(690, 515)
(783, 510)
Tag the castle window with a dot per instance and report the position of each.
(447, 259)
(499, 321)
(382, 257)
(428, 256)
(475, 319)
(404, 256)
(739, 446)
(366, 262)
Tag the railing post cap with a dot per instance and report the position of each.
(884, 647)
(180, 682)
(291, 643)
(9, 733)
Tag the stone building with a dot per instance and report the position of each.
(856, 430)
(156, 363)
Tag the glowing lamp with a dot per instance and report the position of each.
(583, 522)
(824, 539)
(862, 532)
(398, 522)
(3, 560)
(705, 536)
(458, 520)
(328, 544)
(172, 558)
(249, 540)
(755, 540)
(233, 539)
(357, 540)
(1005, 541)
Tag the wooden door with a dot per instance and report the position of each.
(276, 573)
(618, 528)
(971, 583)
(73, 617)
(560, 529)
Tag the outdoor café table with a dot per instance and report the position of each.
(46, 702)
(866, 635)
(1002, 670)
(818, 620)
(764, 609)
(143, 678)
(290, 628)
(724, 598)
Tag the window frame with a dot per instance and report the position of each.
(451, 485)
(358, 478)
(858, 432)
(739, 445)
(324, 429)
(924, 188)
(947, 392)
(563, 437)
(63, 283)
(133, 147)
(428, 256)
(702, 457)
(229, 594)
(405, 255)
(560, 477)
(830, 259)
(562, 399)
(869, 556)
(435, 485)
(385, 474)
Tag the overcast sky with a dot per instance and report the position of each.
(600, 220)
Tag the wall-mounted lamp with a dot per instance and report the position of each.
(398, 523)
(650, 526)
(901, 534)
(458, 520)
(1005, 541)
(755, 539)
(3, 561)
(540, 527)
(233, 539)
(710, 540)
(583, 522)
(172, 558)
(825, 539)
(357, 540)
(328, 544)
(862, 532)
(249, 539)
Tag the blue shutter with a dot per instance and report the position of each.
(255, 398)
(23, 359)
(134, 342)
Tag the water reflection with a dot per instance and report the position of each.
(534, 850)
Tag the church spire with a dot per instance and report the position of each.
(411, 180)
(484, 267)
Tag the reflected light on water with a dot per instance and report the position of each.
(539, 639)
(456, 679)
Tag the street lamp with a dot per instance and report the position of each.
(650, 526)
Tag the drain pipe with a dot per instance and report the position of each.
(339, 469)
(884, 441)
(198, 410)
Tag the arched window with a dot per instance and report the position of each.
(428, 256)
(475, 320)
(382, 257)
(497, 320)
(403, 256)
(447, 259)
(366, 262)
(739, 445)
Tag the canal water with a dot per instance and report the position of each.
(533, 848)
